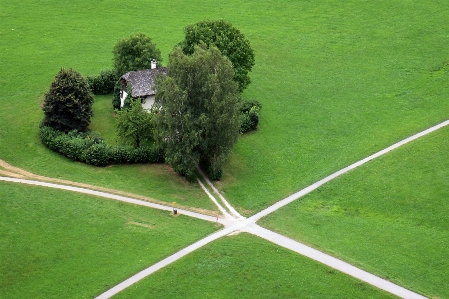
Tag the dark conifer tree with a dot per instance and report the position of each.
(68, 103)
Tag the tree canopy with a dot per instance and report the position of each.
(68, 104)
(135, 53)
(228, 39)
(198, 111)
(134, 125)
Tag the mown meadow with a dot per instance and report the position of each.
(390, 216)
(338, 81)
(58, 244)
(244, 266)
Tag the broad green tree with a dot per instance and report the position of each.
(198, 111)
(228, 39)
(134, 125)
(68, 104)
(135, 53)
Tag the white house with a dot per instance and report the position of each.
(142, 85)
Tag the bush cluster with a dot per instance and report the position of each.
(91, 149)
(249, 115)
(103, 83)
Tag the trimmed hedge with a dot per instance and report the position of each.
(249, 115)
(90, 148)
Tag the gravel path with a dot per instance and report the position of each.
(165, 262)
(332, 262)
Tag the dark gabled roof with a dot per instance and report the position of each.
(142, 82)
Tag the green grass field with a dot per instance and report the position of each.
(390, 216)
(245, 266)
(57, 244)
(338, 80)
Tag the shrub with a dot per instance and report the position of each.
(249, 115)
(47, 135)
(139, 155)
(74, 148)
(59, 142)
(156, 155)
(103, 83)
(97, 155)
(119, 154)
(91, 148)
(146, 154)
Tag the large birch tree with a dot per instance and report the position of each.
(197, 108)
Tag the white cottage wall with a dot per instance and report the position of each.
(148, 102)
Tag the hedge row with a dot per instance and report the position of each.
(91, 149)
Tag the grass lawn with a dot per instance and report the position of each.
(57, 244)
(337, 80)
(245, 266)
(40, 38)
(104, 121)
(390, 216)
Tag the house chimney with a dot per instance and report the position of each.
(153, 63)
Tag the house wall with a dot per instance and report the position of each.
(148, 102)
(123, 96)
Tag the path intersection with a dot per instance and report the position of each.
(234, 222)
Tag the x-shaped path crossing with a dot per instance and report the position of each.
(234, 222)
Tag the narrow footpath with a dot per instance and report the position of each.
(126, 199)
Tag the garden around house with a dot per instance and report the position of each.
(337, 81)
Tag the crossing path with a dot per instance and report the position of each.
(234, 222)
(249, 225)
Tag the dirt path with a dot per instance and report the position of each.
(8, 170)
